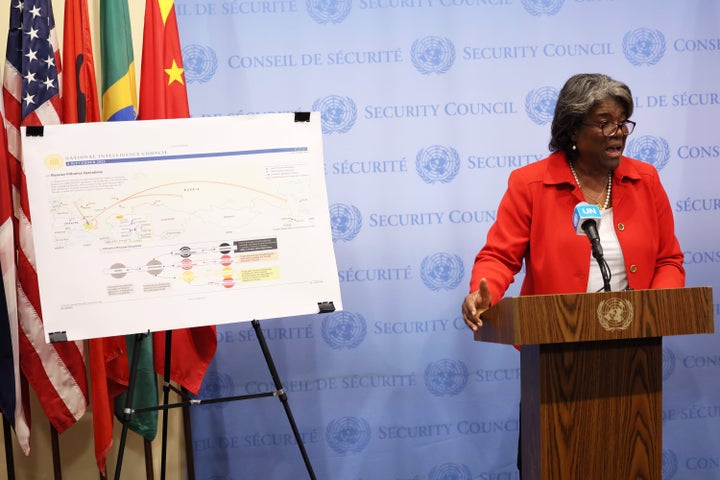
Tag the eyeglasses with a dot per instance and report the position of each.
(610, 129)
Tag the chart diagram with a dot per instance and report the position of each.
(179, 221)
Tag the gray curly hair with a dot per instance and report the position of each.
(580, 94)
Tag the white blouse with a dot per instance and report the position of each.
(613, 257)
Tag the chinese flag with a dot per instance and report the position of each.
(162, 83)
(163, 94)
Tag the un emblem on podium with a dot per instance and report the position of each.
(615, 314)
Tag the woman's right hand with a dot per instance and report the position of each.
(475, 305)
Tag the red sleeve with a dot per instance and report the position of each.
(669, 270)
(507, 240)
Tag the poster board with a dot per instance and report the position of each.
(164, 224)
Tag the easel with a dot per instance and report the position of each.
(128, 411)
(296, 137)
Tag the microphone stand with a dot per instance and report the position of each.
(604, 268)
(589, 226)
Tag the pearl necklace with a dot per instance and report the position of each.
(608, 187)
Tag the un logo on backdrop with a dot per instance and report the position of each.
(669, 464)
(328, 11)
(437, 164)
(644, 46)
(543, 7)
(348, 434)
(337, 114)
(540, 104)
(653, 150)
(217, 385)
(442, 271)
(668, 363)
(450, 471)
(200, 63)
(446, 378)
(345, 221)
(344, 329)
(432, 55)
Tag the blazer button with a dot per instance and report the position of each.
(633, 268)
(621, 226)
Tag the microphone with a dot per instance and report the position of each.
(586, 219)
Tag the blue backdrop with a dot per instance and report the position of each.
(427, 105)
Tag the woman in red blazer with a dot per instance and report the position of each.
(534, 220)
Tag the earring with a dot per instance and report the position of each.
(574, 147)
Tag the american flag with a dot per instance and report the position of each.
(31, 93)
(11, 387)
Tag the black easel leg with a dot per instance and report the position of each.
(166, 398)
(187, 430)
(282, 395)
(127, 413)
(9, 459)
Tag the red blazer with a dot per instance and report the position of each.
(534, 224)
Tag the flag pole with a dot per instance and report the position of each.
(166, 400)
(57, 467)
(149, 470)
(9, 459)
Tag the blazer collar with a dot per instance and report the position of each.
(558, 171)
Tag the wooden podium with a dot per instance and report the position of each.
(591, 377)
